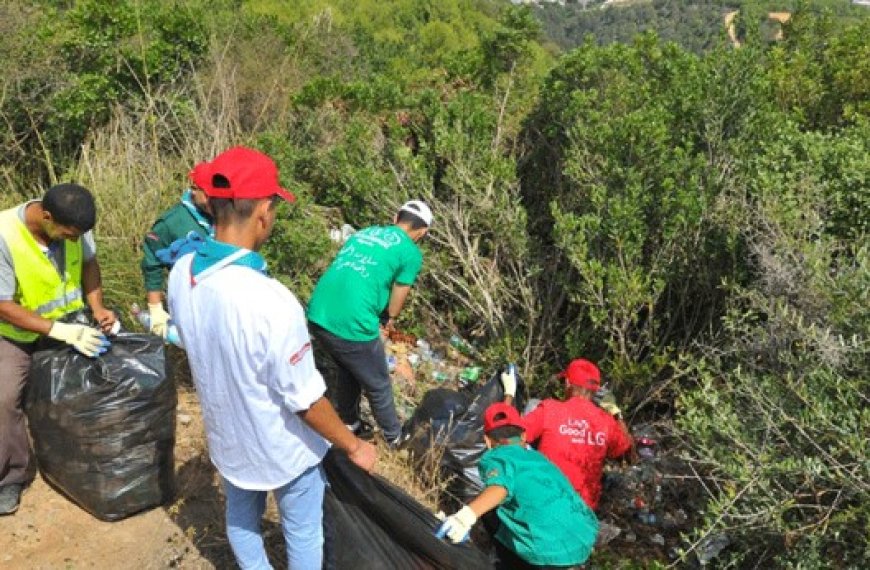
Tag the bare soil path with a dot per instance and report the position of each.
(49, 531)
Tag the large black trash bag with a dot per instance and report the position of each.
(370, 524)
(450, 422)
(104, 428)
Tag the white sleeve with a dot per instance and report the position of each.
(293, 373)
(89, 246)
(7, 273)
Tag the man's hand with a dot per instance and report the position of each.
(105, 318)
(457, 527)
(159, 319)
(87, 340)
(509, 381)
(364, 455)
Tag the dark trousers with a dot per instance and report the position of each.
(362, 367)
(508, 560)
(15, 455)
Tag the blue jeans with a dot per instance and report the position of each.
(300, 505)
(362, 366)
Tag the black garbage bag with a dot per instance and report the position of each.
(450, 422)
(104, 428)
(370, 524)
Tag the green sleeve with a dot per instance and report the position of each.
(152, 268)
(496, 470)
(410, 268)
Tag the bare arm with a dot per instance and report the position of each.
(490, 498)
(15, 314)
(154, 297)
(92, 285)
(322, 418)
(398, 296)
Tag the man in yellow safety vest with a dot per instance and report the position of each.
(48, 269)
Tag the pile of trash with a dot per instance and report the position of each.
(417, 366)
(647, 505)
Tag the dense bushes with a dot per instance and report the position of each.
(697, 224)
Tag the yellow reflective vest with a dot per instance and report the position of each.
(39, 286)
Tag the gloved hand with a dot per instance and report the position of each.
(159, 319)
(509, 381)
(87, 340)
(607, 402)
(457, 526)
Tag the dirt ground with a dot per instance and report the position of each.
(49, 531)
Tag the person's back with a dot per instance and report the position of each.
(543, 521)
(353, 291)
(266, 418)
(578, 437)
(249, 405)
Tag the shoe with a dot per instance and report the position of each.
(10, 498)
(399, 442)
(362, 429)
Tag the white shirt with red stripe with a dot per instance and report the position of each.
(252, 363)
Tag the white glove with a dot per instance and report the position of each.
(159, 319)
(608, 403)
(87, 340)
(457, 527)
(509, 381)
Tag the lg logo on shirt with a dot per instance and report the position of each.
(296, 357)
(578, 431)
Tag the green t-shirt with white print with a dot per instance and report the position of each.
(348, 300)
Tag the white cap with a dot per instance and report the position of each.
(419, 209)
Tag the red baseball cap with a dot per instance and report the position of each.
(239, 173)
(501, 414)
(582, 373)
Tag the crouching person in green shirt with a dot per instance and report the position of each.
(543, 522)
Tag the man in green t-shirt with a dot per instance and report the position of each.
(364, 289)
(543, 523)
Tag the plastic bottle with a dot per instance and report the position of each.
(425, 350)
(144, 319)
(470, 374)
(459, 344)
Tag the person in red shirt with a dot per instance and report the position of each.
(576, 434)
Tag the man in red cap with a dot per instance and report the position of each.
(186, 221)
(576, 434)
(267, 421)
(542, 521)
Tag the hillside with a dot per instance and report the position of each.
(695, 26)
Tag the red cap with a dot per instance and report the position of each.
(501, 414)
(582, 373)
(239, 173)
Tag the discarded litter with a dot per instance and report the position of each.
(470, 374)
(711, 546)
(439, 376)
(144, 319)
(606, 533)
(341, 235)
(461, 345)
